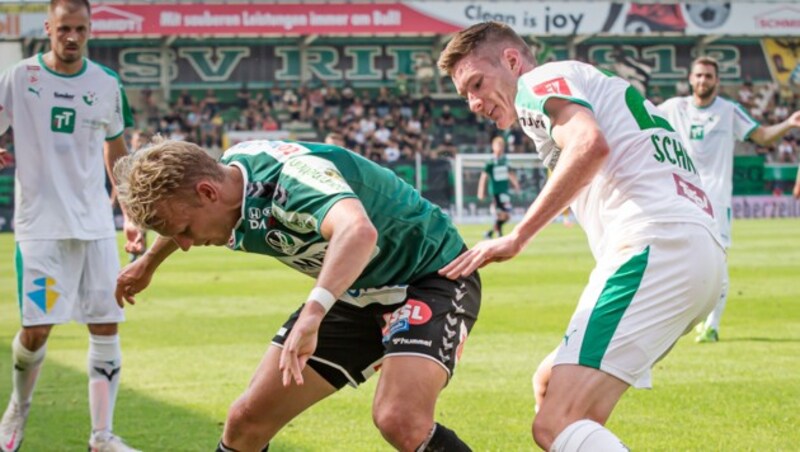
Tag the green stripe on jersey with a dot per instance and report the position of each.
(611, 306)
(18, 267)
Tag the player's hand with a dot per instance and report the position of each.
(541, 378)
(301, 343)
(132, 279)
(135, 238)
(482, 254)
(6, 158)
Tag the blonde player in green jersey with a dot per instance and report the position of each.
(372, 245)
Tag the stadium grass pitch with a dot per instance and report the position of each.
(194, 338)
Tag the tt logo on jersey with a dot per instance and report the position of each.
(62, 120)
(697, 132)
(528, 121)
(550, 87)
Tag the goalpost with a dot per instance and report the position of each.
(467, 168)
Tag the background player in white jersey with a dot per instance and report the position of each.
(497, 175)
(63, 107)
(370, 241)
(709, 125)
(635, 192)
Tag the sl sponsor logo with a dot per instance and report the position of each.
(62, 120)
(414, 312)
(45, 297)
(283, 242)
(550, 87)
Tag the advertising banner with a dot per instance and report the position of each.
(231, 62)
(540, 18)
(765, 207)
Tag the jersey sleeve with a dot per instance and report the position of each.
(552, 81)
(310, 185)
(487, 168)
(122, 111)
(6, 99)
(743, 123)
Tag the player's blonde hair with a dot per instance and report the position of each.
(164, 170)
(478, 36)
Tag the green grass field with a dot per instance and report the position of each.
(192, 342)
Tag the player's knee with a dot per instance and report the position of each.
(35, 337)
(402, 428)
(243, 423)
(546, 428)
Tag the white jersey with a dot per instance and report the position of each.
(648, 177)
(710, 134)
(60, 123)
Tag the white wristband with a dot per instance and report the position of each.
(323, 297)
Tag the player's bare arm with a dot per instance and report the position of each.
(352, 238)
(482, 186)
(584, 150)
(136, 276)
(113, 151)
(766, 135)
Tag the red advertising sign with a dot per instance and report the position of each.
(115, 20)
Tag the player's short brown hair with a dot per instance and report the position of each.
(475, 38)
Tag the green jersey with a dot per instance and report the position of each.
(289, 188)
(497, 169)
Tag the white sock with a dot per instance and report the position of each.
(104, 367)
(715, 317)
(587, 436)
(27, 365)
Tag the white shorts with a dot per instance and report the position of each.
(63, 280)
(639, 302)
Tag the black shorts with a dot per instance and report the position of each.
(502, 202)
(433, 322)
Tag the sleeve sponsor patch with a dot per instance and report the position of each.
(554, 86)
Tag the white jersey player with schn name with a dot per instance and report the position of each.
(649, 223)
(648, 177)
(60, 123)
(712, 132)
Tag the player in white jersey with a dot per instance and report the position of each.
(709, 127)
(635, 191)
(63, 108)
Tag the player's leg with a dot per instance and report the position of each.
(266, 406)
(424, 339)
(403, 409)
(634, 309)
(99, 311)
(348, 350)
(576, 393)
(46, 293)
(709, 331)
